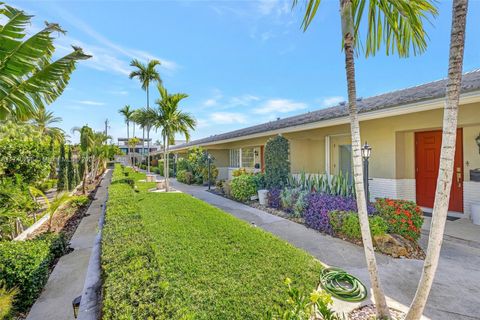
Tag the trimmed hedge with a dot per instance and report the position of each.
(133, 287)
(277, 163)
(25, 265)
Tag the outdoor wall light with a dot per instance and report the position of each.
(477, 139)
(367, 150)
(256, 152)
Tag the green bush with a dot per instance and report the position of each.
(403, 217)
(161, 168)
(79, 201)
(347, 224)
(277, 163)
(25, 265)
(6, 302)
(133, 286)
(243, 187)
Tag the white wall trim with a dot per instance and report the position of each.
(327, 155)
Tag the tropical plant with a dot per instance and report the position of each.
(143, 117)
(86, 146)
(132, 142)
(43, 120)
(70, 170)
(127, 113)
(277, 163)
(398, 25)
(300, 306)
(346, 223)
(146, 73)
(404, 217)
(322, 183)
(30, 79)
(447, 158)
(62, 183)
(171, 120)
(6, 301)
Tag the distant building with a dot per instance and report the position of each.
(140, 151)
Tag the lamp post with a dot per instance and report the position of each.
(209, 157)
(366, 151)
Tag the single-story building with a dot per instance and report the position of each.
(403, 128)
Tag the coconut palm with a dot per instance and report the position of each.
(146, 73)
(171, 120)
(127, 113)
(87, 142)
(399, 25)
(132, 142)
(143, 119)
(447, 158)
(30, 79)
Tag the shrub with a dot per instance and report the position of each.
(403, 217)
(274, 198)
(259, 179)
(243, 187)
(6, 302)
(162, 169)
(25, 265)
(184, 177)
(301, 204)
(348, 224)
(183, 164)
(319, 205)
(238, 172)
(79, 201)
(277, 163)
(289, 198)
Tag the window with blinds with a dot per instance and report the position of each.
(248, 160)
(235, 158)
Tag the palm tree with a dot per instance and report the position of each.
(146, 73)
(30, 79)
(43, 121)
(171, 120)
(398, 24)
(447, 156)
(142, 118)
(86, 145)
(127, 113)
(132, 142)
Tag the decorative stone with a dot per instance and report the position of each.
(393, 244)
(150, 178)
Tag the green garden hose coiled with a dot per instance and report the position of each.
(342, 285)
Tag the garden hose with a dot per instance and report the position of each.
(342, 285)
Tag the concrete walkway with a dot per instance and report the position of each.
(456, 291)
(67, 279)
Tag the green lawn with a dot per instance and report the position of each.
(205, 262)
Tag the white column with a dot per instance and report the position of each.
(240, 157)
(327, 155)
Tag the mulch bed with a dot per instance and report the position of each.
(416, 253)
(369, 313)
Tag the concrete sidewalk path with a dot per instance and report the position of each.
(67, 279)
(455, 293)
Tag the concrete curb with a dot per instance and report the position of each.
(91, 293)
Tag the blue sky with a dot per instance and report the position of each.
(241, 62)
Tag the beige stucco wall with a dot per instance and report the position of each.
(221, 157)
(391, 139)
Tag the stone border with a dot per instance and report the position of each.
(91, 293)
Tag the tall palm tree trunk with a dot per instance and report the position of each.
(143, 144)
(148, 149)
(128, 144)
(165, 168)
(348, 38)
(447, 158)
(167, 172)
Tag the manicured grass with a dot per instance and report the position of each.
(216, 266)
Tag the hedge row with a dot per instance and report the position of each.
(133, 287)
(25, 265)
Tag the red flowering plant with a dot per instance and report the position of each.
(403, 217)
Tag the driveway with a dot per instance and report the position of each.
(455, 293)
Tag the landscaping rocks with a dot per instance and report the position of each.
(369, 312)
(393, 244)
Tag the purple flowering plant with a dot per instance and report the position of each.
(274, 198)
(320, 204)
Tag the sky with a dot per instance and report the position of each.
(241, 62)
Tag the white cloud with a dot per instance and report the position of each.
(267, 7)
(202, 123)
(210, 102)
(243, 100)
(228, 117)
(90, 102)
(107, 55)
(119, 92)
(331, 101)
(280, 106)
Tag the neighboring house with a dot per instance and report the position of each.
(403, 128)
(139, 151)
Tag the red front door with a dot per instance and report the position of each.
(427, 160)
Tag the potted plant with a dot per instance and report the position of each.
(261, 188)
